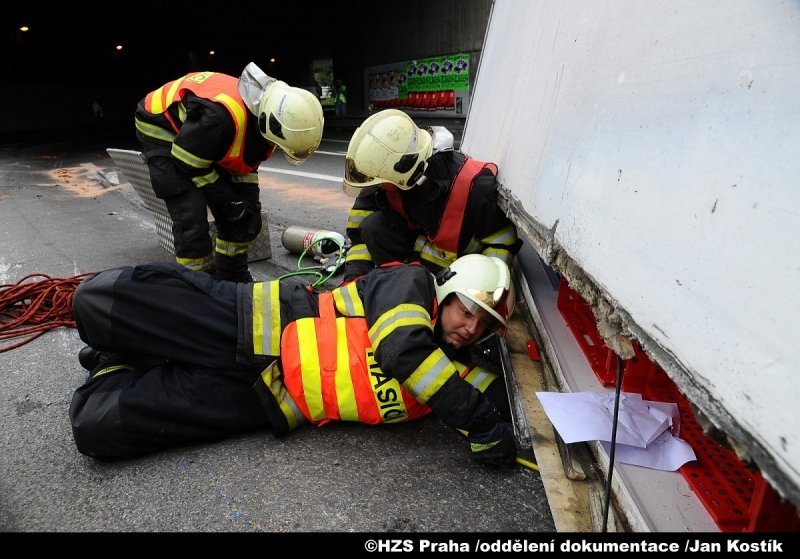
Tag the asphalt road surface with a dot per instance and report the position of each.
(63, 212)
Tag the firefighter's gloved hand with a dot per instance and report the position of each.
(490, 439)
(494, 446)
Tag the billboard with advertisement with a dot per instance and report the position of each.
(439, 83)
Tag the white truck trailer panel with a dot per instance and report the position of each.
(658, 144)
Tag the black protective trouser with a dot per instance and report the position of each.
(173, 377)
(137, 409)
(187, 205)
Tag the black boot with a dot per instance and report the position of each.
(90, 358)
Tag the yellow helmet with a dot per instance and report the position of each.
(387, 147)
(291, 118)
(480, 281)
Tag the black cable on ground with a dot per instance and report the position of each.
(607, 499)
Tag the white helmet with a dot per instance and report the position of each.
(481, 281)
(291, 118)
(387, 147)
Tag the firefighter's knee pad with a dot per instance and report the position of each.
(281, 410)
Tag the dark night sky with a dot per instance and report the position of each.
(75, 42)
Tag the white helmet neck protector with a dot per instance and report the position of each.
(252, 84)
(480, 282)
(387, 148)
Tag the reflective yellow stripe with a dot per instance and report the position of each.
(238, 113)
(506, 236)
(193, 161)
(477, 447)
(500, 253)
(112, 369)
(273, 379)
(474, 246)
(156, 106)
(432, 253)
(181, 113)
(398, 317)
(250, 178)
(310, 369)
(173, 89)
(355, 217)
(201, 264)
(204, 180)
(345, 393)
(266, 318)
(347, 300)
(480, 378)
(358, 252)
(231, 248)
(154, 131)
(430, 376)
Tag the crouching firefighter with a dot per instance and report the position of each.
(176, 357)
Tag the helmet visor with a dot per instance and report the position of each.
(354, 177)
(296, 157)
(487, 318)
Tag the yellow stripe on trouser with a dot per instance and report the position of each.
(266, 318)
(202, 264)
(432, 253)
(231, 248)
(112, 369)
(358, 252)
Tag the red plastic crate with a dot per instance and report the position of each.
(737, 498)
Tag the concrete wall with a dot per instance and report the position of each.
(655, 145)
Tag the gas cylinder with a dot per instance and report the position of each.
(323, 243)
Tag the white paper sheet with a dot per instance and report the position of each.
(644, 429)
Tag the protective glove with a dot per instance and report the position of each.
(494, 446)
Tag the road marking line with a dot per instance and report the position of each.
(331, 178)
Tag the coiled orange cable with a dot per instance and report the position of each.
(32, 307)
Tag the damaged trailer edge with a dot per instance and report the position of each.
(647, 152)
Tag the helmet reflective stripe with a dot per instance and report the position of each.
(291, 118)
(387, 148)
(483, 280)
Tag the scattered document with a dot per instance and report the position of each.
(646, 431)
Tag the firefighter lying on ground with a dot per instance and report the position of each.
(418, 199)
(203, 137)
(176, 357)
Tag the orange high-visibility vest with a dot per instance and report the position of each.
(213, 86)
(330, 373)
(455, 209)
